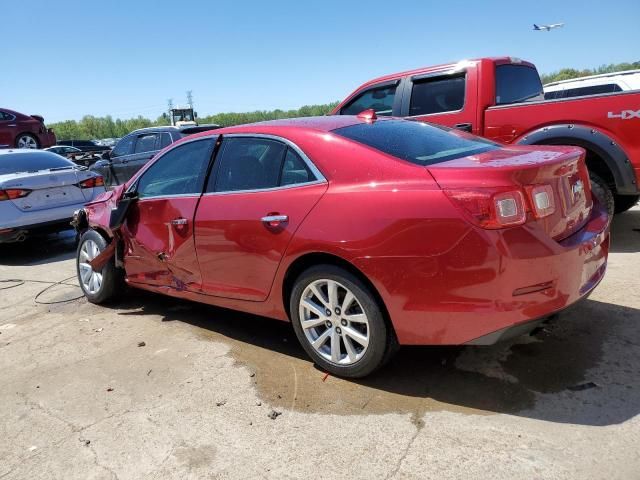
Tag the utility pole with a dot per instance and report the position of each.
(169, 105)
(190, 98)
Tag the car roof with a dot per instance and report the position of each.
(321, 124)
(173, 128)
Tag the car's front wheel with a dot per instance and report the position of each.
(98, 286)
(26, 140)
(339, 322)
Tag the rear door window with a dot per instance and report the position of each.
(165, 140)
(437, 95)
(146, 143)
(517, 83)
(380, 99)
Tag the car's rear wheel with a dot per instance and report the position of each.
(26, 140)
(98, 286)
(603, 192)
(625, 202)
(339, 322)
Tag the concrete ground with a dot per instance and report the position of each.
(216, 394)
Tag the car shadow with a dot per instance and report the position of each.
(625, 232)
(40, 249)
(581, 368)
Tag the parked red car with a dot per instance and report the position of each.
(18, 130)
(364, 232)
(502, 99)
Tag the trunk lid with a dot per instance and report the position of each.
(561, 168)
(48, 188)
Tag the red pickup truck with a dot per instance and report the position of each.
(502, 99)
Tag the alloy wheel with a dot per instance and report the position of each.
(334, 322)
(27, 141)
(91, 280)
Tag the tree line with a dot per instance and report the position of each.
(106, 127)
(90, 127)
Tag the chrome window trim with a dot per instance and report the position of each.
(180, 195)
(320, 178)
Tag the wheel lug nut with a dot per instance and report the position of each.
(328, 312)
(338, 330)
(337, 311)
(329, 324)
(343, 322)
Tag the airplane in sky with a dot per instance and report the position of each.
(547, 27)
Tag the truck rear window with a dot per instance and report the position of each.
(517, 83)
(416, 142)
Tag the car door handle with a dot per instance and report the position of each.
(275, 220)
(12, 125)
(179, 221)
(465, 127)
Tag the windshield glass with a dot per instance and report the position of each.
(417, 142)
(31, 162)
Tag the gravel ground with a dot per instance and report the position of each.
(152, 387)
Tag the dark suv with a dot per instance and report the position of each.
(133, 151)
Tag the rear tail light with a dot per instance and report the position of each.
(542, 200)
(13, 193)
(92, 182)
(491, 208)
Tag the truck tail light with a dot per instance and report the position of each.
(491, 208)
(92, 182)
(13, 193)
(542, 200)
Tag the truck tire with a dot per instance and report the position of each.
(603, 192)
(625, 202)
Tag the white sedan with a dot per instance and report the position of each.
(39, 191)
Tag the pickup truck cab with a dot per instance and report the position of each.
(502, 99)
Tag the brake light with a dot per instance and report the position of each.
(13, 193)
(92, 182)
(491, 208)
(542, 200)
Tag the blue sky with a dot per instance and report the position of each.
(67, 58)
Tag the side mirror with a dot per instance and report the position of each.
(106, 155)
(119, 214)
(195, 114)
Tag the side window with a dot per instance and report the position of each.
(294, 169)
(437, 95)
(146, 143)
(379, 99)
(124, 146)
(3, 116)
(593, 90)
(180, 171)
(246, 163)
(165, 140)
(517, 83)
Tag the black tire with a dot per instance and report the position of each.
(381, 338)
(112, 278)
(625, 202)
(27, 136)
(602, 192)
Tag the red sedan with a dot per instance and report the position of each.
(365, 233)
(18, 130)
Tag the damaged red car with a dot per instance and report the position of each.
(365, 233)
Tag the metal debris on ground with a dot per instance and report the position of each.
(98, 330)
(141, 344)
(274, 414)
(109, 389)
(221, 403)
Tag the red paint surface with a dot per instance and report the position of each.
(442, 279)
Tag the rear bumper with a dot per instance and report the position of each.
(491, 284)
(19, 234)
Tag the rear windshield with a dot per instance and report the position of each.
(417, 142)
(31, 162)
